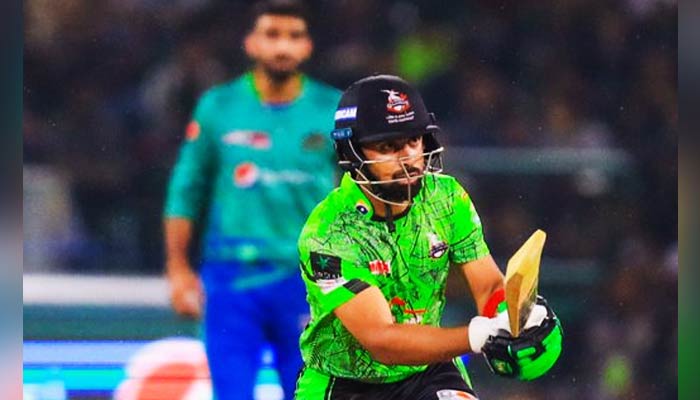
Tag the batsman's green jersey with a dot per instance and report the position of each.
(254, 170)
(345, 249)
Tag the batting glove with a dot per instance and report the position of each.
(533, 353)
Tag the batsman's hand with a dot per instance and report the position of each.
(186, 293)
(534, 352)
(481, 328)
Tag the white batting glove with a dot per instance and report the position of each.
(480, 328)
(537, 315)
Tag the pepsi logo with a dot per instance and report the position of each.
(245, 175)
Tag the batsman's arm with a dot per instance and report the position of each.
(368, 318)
(485, 281)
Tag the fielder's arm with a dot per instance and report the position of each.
(186, 294)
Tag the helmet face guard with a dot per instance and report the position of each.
(352, 159)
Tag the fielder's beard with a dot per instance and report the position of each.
(278, 76)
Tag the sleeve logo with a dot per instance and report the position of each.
(326, 269)
(325, 266)
(192, 131)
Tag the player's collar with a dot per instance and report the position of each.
(250, 82)
(356, 198)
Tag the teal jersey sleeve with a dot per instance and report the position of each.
(467, 237)
(191, 175)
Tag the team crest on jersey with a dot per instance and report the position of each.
(379, 267)
(437, 246)
(449, 394)
(314, 141)
(253, 139)
(398, 106)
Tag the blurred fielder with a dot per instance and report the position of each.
(375, 256)
(255, 161)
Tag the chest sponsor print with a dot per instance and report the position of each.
(253, 139)
(379, 267)
(247, 174)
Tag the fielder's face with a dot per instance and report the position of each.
(279, 44)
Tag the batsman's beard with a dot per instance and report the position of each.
(397, 192)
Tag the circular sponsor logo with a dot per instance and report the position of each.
(246, 174)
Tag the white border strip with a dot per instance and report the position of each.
(90, 290)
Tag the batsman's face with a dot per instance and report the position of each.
(400, 159)
(279, 43)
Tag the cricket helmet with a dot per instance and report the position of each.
(382, 107)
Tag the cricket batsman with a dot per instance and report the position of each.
(375, 256)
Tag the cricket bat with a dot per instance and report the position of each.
(521, 280)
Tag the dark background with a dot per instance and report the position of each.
(559, 115)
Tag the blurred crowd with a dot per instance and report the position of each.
(109, 86)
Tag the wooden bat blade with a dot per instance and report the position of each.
(522, 275)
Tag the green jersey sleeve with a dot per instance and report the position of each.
(467, 237)
(333, 272)
(189, 181)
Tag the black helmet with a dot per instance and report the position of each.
(381, 107)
